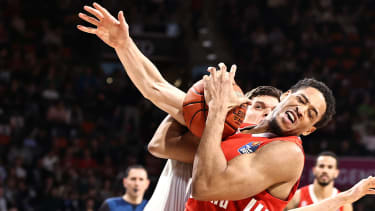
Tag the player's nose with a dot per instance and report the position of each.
(266, 111)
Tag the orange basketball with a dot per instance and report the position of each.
(195, 112)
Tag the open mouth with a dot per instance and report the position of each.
(291, 116)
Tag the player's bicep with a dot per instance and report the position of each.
(173, 141)
(242, 178)
(250, 174)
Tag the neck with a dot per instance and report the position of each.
(323, 192)
(261, 127)
(132, 199)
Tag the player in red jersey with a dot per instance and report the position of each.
(264, 175)
(173, 188)
(274, 168)
(325, 172)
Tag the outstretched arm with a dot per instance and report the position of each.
(362, 188)
(173, 141)
(142, 72)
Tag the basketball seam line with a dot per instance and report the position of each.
(196, 92)
(192, 117)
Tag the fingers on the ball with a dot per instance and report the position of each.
(94, 12)
(233, 70)
(222, 66)
(89, 19)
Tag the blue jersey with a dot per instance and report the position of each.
(119, 204)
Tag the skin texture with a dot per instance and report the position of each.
(210, 166)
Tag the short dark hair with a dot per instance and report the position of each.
(330, 154)
(137, 166)
(328, 96)
(264, 91)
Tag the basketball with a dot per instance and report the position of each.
(195, 112)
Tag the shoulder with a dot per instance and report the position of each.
(283, 152)
(113, 200)
(286, 157)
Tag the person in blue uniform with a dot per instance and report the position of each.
(135, 183)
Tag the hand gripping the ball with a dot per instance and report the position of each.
(219, 88)
(195, 110)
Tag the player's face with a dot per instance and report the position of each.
(136, 183)
(261, 106)
(325, 171)
(297, 112)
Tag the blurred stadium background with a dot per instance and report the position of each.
(71, 121)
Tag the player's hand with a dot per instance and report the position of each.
(218, 88)
(114, 32)
(362, 188)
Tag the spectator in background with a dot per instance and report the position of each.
(325, 172)
(136, 183)
(3, 202)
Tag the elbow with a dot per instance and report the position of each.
(155, 149)
(200, 191)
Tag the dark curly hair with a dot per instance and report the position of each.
(264, 91)
(328, 96)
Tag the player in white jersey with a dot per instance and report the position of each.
(173, 188)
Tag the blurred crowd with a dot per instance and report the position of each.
(68, 129)
(278, 42)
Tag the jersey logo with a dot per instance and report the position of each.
(249, 147)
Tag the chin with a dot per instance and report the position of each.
(276, 128)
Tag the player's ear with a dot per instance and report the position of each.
(308, 131)
(313, 170)
(337, 173)
(285, 94)
(124, 182)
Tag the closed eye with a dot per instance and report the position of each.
(299, 98)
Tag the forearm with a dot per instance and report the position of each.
(147, 78)
(173, 141)
(330, 204)
(209, 160)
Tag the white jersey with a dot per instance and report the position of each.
(173, 188)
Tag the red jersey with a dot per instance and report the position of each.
(244, 144)
(308, 196)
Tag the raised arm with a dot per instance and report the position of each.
(362, 188)
(142, 72)
(173, 141)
